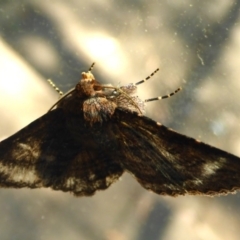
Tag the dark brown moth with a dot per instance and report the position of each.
(96, 132)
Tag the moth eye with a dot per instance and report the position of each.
(97, 87)
(115, 93)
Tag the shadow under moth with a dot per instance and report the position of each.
(96, 132)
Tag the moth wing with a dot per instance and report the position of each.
(53, 151)
(169, 163)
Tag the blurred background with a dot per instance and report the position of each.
(196, 45)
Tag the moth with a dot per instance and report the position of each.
(96, 132)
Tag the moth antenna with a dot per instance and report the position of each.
(62, 97)
(163, 97)
(144, 80)
(55, 87)
(91, 68)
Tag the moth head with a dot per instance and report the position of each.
(85, 87)
(88, 88)
(98, 102)
(88, 76)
